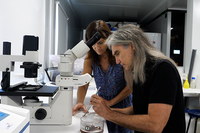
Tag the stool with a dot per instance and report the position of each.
(193, 113)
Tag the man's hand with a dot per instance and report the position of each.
(108, 103)
(99, 106)
(77, 107)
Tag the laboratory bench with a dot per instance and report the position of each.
(192, 98)
(74, 127)
(191, 92)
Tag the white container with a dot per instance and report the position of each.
(198, 81)
(193, 83)
(92, 123)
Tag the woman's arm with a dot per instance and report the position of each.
(82, 90)
(121, 96)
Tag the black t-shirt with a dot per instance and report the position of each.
(162, 85)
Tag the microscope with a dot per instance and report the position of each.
(29, 58)
(58, 111)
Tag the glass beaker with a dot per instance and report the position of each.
(92, 123)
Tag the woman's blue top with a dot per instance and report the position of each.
(112, 82)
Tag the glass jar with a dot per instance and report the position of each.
(92, 123)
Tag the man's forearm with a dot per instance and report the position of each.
(128, 110)
(140, 123)
(153, 122)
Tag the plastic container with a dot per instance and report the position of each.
(186, 84)
(193, 83)
(92, 123)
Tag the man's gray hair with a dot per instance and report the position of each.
(132, 35)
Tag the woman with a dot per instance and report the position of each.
(107, 74)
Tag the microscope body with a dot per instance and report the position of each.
(66, 80)
(58, 110)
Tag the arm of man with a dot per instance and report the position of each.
(82, 90)
(128, 110)
(121, 96)
(153, 122)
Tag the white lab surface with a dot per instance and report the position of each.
(14, 119)
(191, 92)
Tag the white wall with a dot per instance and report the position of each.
(61, 30)
(19, 18)
(74, 30)
(49, 31)
(192, 36)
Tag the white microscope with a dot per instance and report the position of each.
(58, 111)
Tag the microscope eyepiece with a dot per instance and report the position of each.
(95, 38)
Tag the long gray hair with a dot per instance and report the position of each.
(132, 35)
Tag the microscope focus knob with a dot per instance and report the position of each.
(40, 114)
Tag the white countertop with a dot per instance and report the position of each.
(73, 128)
(191, 92)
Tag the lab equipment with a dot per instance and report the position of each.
(92, 123)
(186, 84)
(66, 80)
(192, 60)
(29, 59)
(89, 106)
(14, 119)
(155, 39)
(58, 110)
(193, 83)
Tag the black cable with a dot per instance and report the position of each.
(4, 77)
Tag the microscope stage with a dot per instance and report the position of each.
(43, 91)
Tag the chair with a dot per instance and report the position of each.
(193, 113)
(186, 110)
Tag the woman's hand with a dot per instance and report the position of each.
(77, 107)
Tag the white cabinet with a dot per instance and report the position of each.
(155, 39)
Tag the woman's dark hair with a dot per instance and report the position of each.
(103, 29)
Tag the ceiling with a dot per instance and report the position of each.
(140, 11)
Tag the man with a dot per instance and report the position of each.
(157, 90)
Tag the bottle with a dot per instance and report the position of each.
(186, 84)
(192, 83)
(183, 78)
